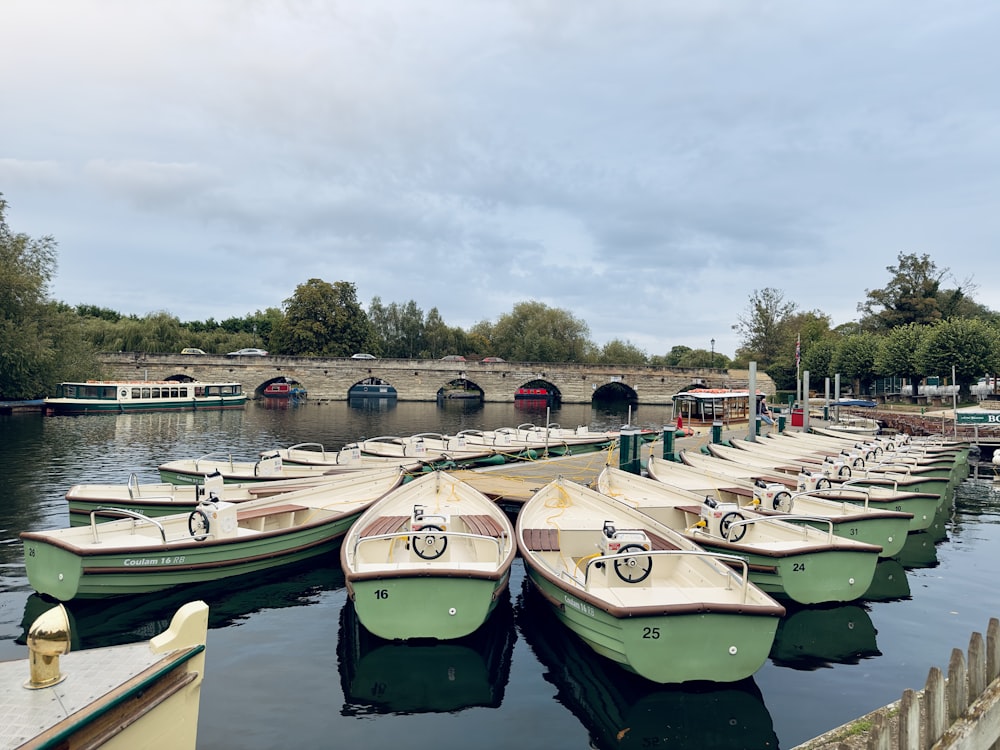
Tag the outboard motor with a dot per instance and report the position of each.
(772, 495)
(836, 466)
(614, 540)
(809, 481)
(718, 517)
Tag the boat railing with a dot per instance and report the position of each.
(891, 466)
(308, 447)
(854, 482)
(499, 542)
(134, 515)
(841, 490)
(133, 481)
(214, 457)
(742, 574)
(804, 518)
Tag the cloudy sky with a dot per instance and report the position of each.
(643, 164)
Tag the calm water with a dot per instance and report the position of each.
(289, 666)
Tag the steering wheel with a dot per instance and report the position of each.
(633, 569)
(726, 523)
(198, 524)
(782, 501)
(430, 546)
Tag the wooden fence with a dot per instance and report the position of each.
(960, 713)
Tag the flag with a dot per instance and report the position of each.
(798, 349)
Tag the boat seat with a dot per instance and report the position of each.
(542, 540)
(658, 542)
(740, 491)
(384, 525)
(695, 509)
(483, 525)
(270, 510)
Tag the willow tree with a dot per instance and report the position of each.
(40, 341)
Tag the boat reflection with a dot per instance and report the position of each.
(815, 637)
(425, 676)
(621, 710)
(372, 404)
(127, 619)
(920, 551)
(889, 582)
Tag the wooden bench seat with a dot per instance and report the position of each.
(484, 525)
(384, 525)
(739, 491)
(270, 510)
(659, 543)
(695, 509)
(542, 540)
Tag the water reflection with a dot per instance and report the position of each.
(128, 619)
(920, 551)
(815, 637)
(621, 710)
(382, 677)
(889, 582)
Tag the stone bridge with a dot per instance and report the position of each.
(330, 378)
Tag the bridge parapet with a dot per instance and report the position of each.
(330, 378)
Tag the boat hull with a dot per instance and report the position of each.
(444, 607)
(666, 648)
(806, 577)
(65, 574)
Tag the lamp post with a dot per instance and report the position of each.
(712, 342)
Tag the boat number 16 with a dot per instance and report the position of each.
(381, 594)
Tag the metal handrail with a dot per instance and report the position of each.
(499, 541)
(745, 585)
(135, 516)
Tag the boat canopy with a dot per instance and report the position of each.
(705, 405)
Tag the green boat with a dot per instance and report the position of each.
(429, 560)
(789, 560)
(216, 540)
(781, 498)
(639, 594)
(622, 711)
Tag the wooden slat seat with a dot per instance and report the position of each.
(384, 525)
(484, 525)
(695, 509)
(542, 540)
(270, 510)
(659, 543)
(740, 491)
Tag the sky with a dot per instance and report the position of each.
(645, 165)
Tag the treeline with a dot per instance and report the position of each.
(914, 326)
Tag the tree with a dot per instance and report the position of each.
(911, 296)
(618, 352)
(40, 341)
(760, 325)
(323, 320)
(534, 332)
(897, 354)
(817, 356)
(971, 347)
(855, 358)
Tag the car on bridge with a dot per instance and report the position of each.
(453, 358)
(192, 350)
(362, 355)
(248, 353)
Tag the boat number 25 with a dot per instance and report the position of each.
(651, 633)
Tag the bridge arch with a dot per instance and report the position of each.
(460, 388)
(616, 392)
